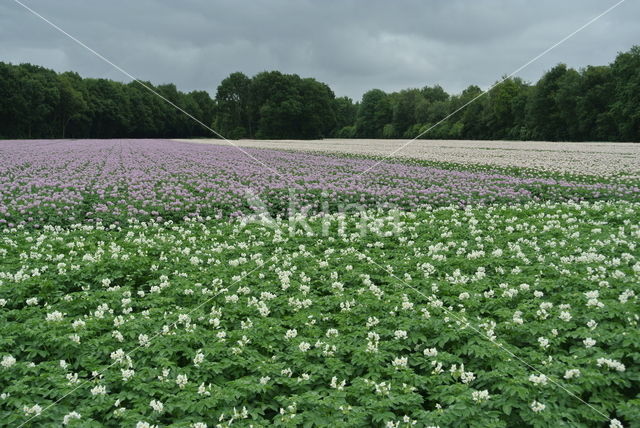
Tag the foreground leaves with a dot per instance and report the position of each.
(398, 322)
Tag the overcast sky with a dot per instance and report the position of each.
(353, 45)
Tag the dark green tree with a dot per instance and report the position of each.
(374, 113)
(345, 111)
(626, 107)
(405, 109)
(204, 109)
(600, 103)
(596, 121)
(545, 116)
(108, 109)
(71, 104)
(234, 119)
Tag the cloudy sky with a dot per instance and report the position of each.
(353, 45)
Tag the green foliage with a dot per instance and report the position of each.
(218, 302)
(597, 103)
(276, 105)
(374, 113)
(389, 131)
(626, 105)
(592, 104)
(38, 103)
(233, 118)
(346, 132)
(346, 112)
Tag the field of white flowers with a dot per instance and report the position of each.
(485, 315)
(597, 159)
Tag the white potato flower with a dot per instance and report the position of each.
(537, 406)
(480, 396)
(8, 361)
(69, 417)
(571, 373)
(304, 346)
(157, 406)
(54, 316)
(181, 380)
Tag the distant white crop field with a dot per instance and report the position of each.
(598, 158)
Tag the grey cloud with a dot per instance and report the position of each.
(353, 45)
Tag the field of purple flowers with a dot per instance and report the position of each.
(77, 181)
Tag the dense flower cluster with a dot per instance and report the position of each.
(64, 182)
(215, 323)
(597, 159)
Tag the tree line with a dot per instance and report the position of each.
(595, 103)
(36, 102)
